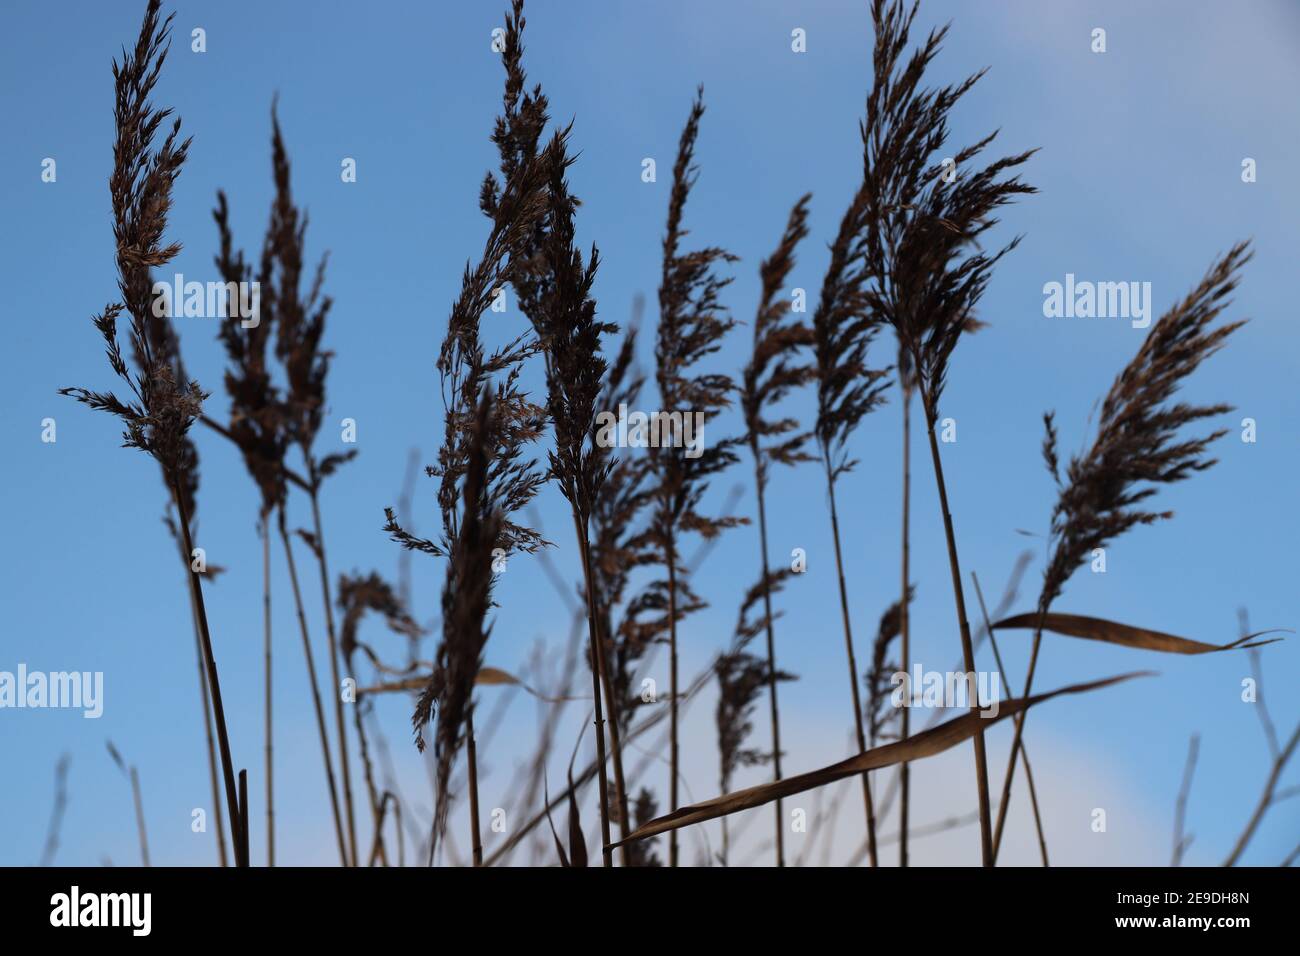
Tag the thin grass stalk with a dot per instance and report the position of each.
(1181, 840)
(376, 802)
(1024, 754)
(904, 621)
(967, 648)
(266, 646)
(471, 757)
(220, 828)
(599, 679)
(334, 662)
(853, 666)
(672, 690)
(620, 791)
(57, 811)
(243, 816)
(315, 689)
(139, 815)
(214, 685)
(771, 674)
(1018, 737)
(1266, 799)
(616, 748)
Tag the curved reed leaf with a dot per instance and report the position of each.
(925, 744)
(1110, 632)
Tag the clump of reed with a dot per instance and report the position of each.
(300, 327)
(489, 424)
(466, 597)
(265, 422)
(773, 371)
(619, 545)
(921, 248)
(162, 405)
(848, 390)
(907, 255)
(1137, 448)
(692, 324)
(553, 283)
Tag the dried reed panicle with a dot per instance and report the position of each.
(742, 676)
(570, 336)
(257, 413)
(692, 325)
(357, 595)
(1135, 449)
(773, 369)
(551, 279)
(843, 329)
(517, 134)
(644, 809)
(466, 598)
(554, 284)
(299, 320)
(164, 404)
(618, 540)
(878, 677)
(465, 368)
(921, 247)
(483, 478)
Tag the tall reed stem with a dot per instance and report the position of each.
(615, 745)
(1016, 740)
(597, 679)
(220, 828)
(334, 661)
(1024, 754)
(904, 620)
(315, 690)
(372, 792)
(771, 667)
(853, 664)
(139, 815)
(214, 683)
(266, 650)
(967, 648)
(672, 689)
(471, 756)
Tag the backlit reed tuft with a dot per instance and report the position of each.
(927, 211)
(692, 325)
(163, 404)
(466, 597)
(775, 368)
(1137, 448)
(848, 389)
(553, 283)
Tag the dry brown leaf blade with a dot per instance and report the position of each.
(925, 744)
(492, 676)
(1111, 632)
(577, 842)
(559, 847)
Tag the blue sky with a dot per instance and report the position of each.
(1140, 181)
